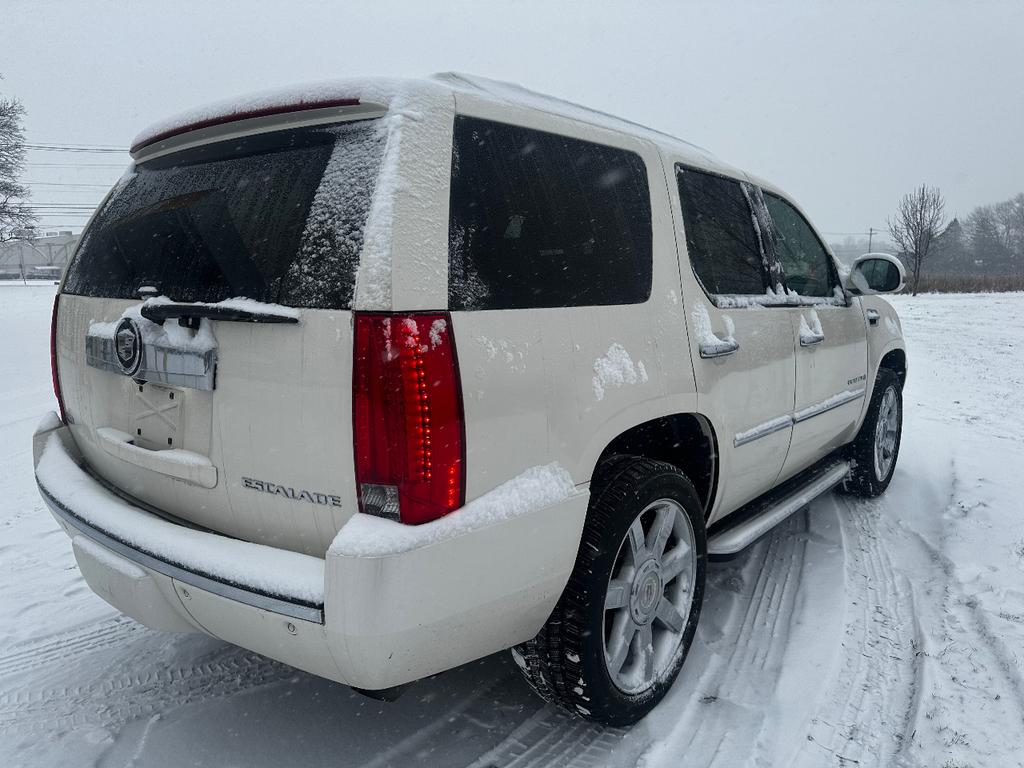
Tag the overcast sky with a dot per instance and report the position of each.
(845, 105)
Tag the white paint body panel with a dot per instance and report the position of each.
(837, 364)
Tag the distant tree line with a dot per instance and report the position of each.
(989, 241)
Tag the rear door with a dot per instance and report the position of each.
(239, 427)
(742, 346)
(830, 341)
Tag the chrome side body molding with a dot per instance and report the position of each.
(762, 430)
(841, 398)
(781, 422)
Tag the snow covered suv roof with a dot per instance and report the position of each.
(406, 96)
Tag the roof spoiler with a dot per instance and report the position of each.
(228, 125)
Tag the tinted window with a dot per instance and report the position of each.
(720, 234)
(277, 217)
(541, 220)
(805, 261)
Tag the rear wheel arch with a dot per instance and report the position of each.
(687, 441)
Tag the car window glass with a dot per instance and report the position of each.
(543, 220)
(720, 236)
(806, 263)
(276, 217)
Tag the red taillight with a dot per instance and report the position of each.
(53, 359)
(407, 416)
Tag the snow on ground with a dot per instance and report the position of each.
(864, 633)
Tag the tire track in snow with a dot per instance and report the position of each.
(552, 737)
(721, 714)
(971, 666)
(84, 640)
(114, 699)
(853, 724)
(119, 697)
(742, 680)
(468, 709)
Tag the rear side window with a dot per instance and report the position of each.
(805, 261)
(720, 234)
(276, 217)
(542, 220)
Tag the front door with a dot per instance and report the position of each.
(830, 340)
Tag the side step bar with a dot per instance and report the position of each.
(761, 515)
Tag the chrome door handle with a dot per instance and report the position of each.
(712, 349)
(810, 339)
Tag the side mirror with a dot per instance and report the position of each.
(876, 273)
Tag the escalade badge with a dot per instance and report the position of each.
(295, 494)
(128, 346)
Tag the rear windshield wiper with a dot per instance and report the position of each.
(189, 315)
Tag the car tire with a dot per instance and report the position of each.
(874, 451)
(622, 628)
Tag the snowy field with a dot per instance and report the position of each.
(884, 633)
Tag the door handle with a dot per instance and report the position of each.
(712, 349)
(810, 339)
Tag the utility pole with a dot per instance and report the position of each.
(871, 235)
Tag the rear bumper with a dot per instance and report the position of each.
(371, 622)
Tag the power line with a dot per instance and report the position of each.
(75, 165)
(64, 184)
(70, 211)
(60, 205)
(75, 148)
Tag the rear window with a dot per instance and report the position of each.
(276, 217)
(720, 235)
(543, 220)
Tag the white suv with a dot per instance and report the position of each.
(379, 377)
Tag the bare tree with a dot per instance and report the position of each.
(14, 213)
(917, 222)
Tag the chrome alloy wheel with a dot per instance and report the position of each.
(649, 596)
(885, 433)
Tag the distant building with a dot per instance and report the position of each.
(43, 256)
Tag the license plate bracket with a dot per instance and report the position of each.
(157, 416)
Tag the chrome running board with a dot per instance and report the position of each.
(761, 515)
